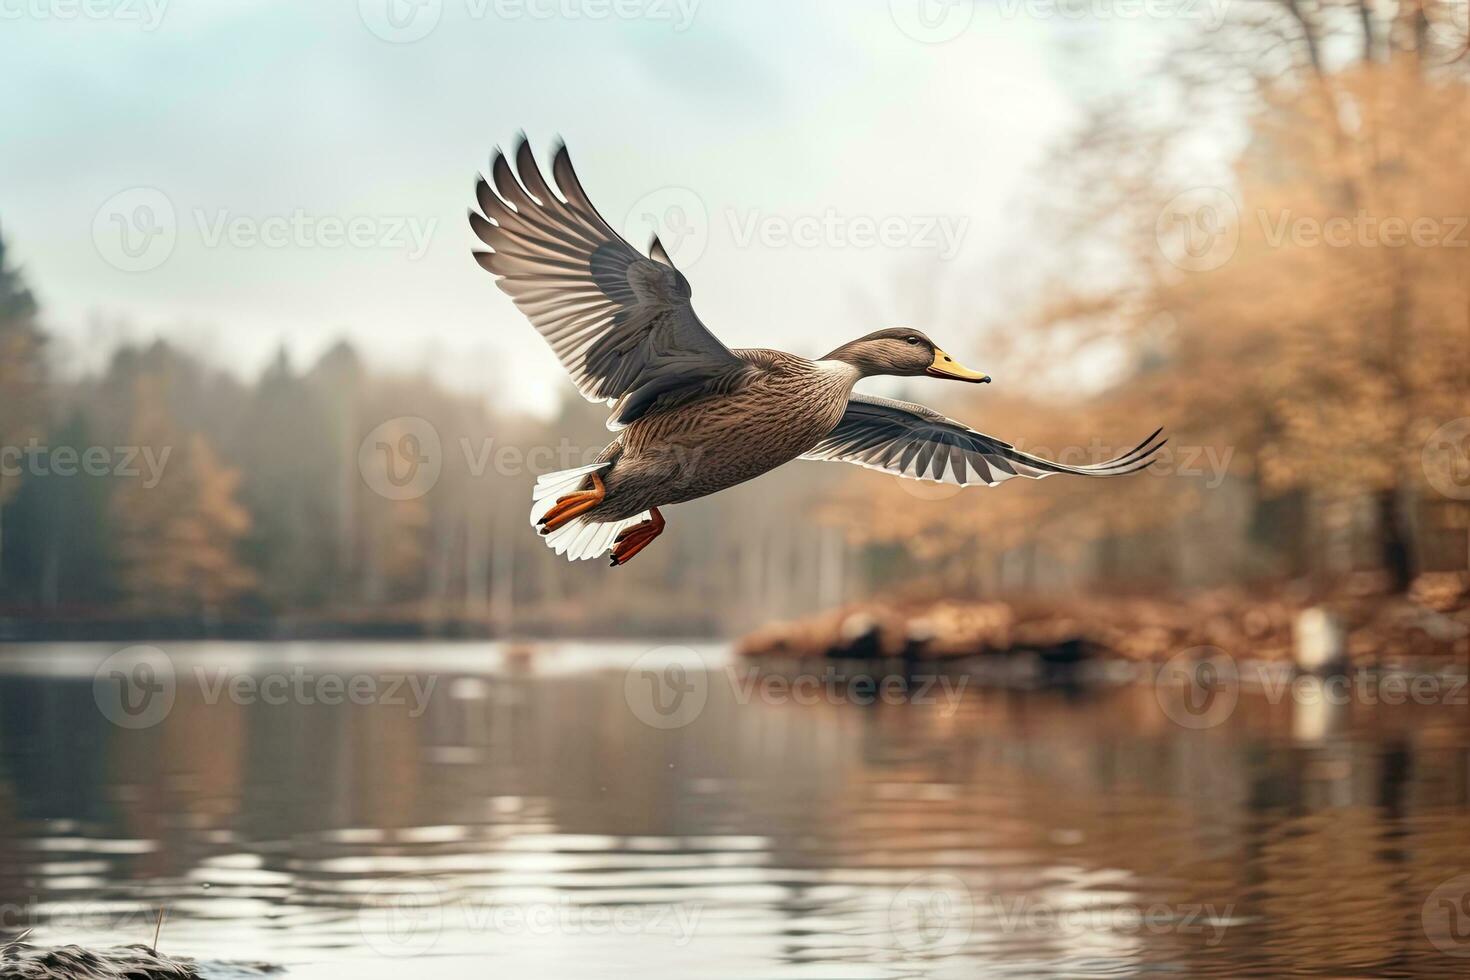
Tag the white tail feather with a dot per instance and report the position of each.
(579, 539)
(553, 485)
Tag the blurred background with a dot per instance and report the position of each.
(261, 411)
(236, 272)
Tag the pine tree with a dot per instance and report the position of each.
(22, 374)
(59, 551)
(283, 447)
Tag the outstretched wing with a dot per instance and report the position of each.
(620, 323)
(919, 443)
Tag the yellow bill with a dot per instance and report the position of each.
(945, 366)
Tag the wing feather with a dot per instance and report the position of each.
(916, 442)
(619, 322)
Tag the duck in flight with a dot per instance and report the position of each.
(693, 416)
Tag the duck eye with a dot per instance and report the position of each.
(911, 340)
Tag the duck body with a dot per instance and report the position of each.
(779, 409)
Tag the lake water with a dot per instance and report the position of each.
(364, 810)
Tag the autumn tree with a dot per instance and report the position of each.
(178, 539)
(1306, 305)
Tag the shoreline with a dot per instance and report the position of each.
(1430, 626)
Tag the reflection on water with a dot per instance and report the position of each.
(515, 815)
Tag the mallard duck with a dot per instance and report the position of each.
(693, 416)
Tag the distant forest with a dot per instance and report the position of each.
(1302, 329)
(167, 494)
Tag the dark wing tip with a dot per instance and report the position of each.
(1145, 461)
(484, 229)
(489, 201)
(499, 168)
(530, 175)
(508, 185)
(1138, 461)
(1144, 449)
(571, 188)
(520, 153)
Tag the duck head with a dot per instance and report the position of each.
(905, 352)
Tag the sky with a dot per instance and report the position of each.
(239, 175)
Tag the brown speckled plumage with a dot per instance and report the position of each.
(693, 416)
(784, 407)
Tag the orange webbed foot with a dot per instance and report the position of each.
(634, 539)
(572, 506)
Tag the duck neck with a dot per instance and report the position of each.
(850, 356)
(844, 373)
